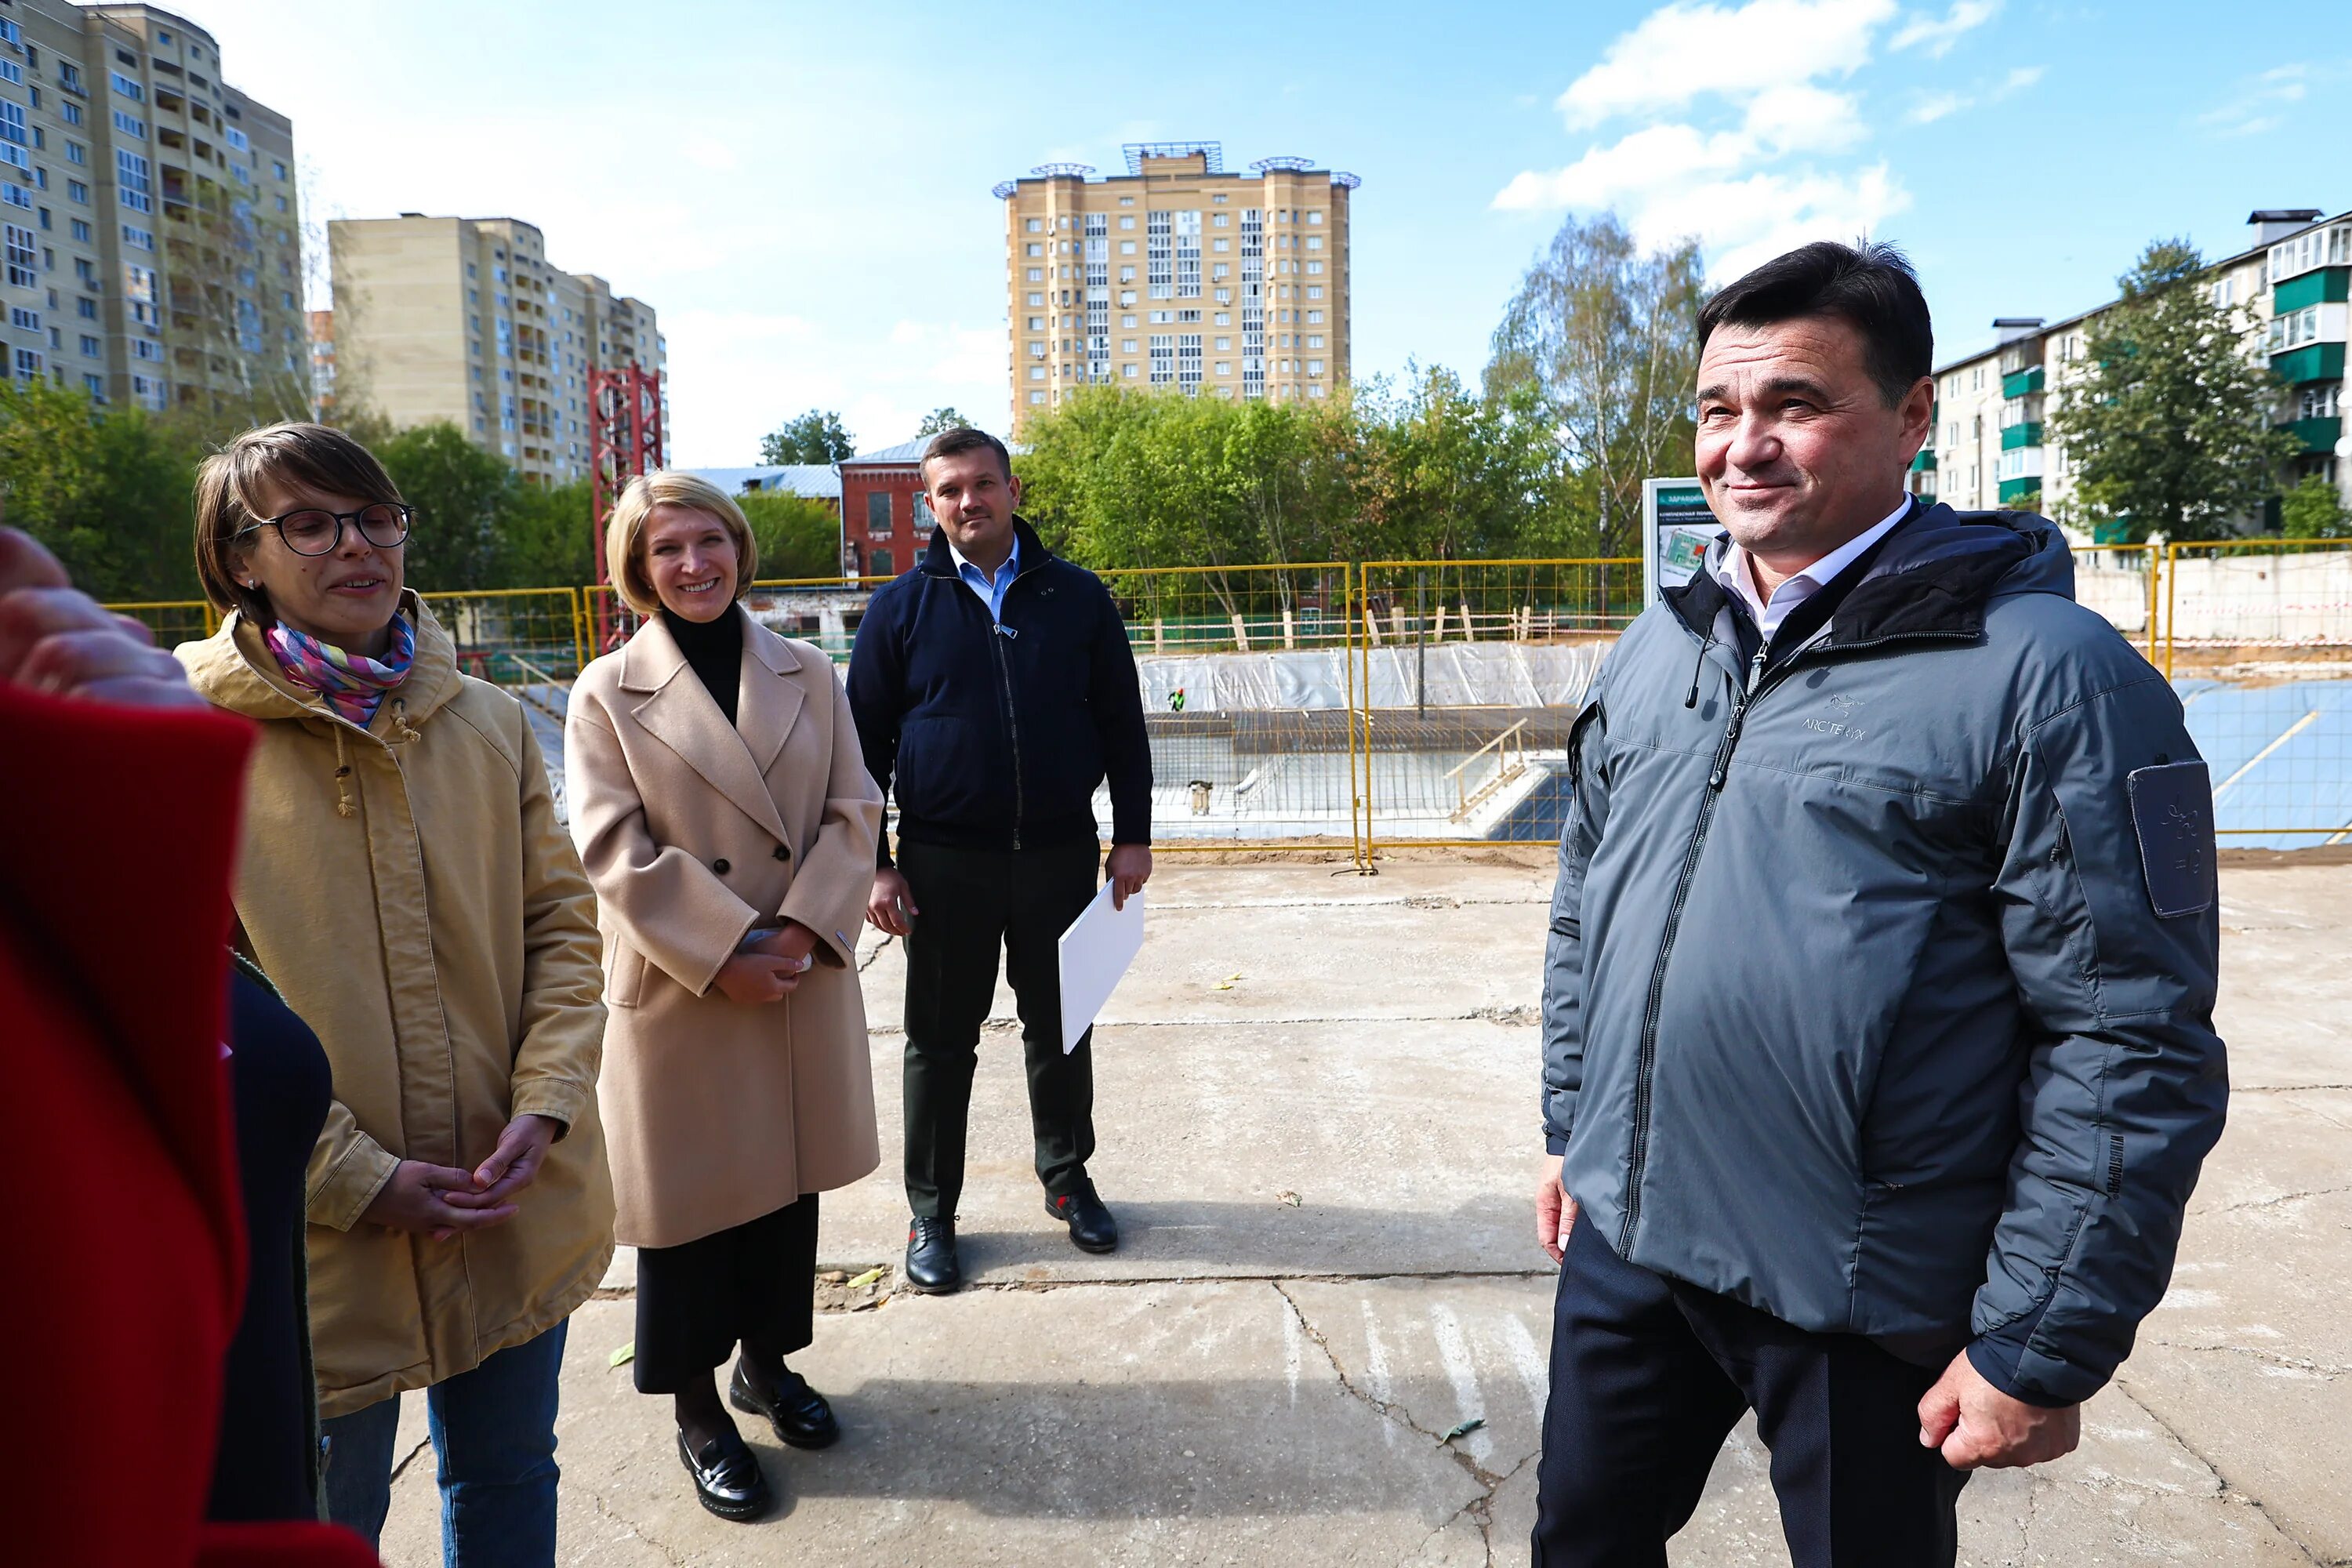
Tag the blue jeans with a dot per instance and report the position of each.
(493, 1430)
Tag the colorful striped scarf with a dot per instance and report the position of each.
(354, 683)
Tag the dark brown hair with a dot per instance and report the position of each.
(1871, 286)
(316, 457)
(962, 438)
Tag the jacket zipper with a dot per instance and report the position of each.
(1719, 773)
(996, 635)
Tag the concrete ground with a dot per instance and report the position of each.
(1316, 1097)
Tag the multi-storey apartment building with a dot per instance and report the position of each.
(2289, 289)
(149, 216)
(1177, 274)
(464, 319)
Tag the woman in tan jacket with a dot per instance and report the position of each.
(405, 885)
(725, 816)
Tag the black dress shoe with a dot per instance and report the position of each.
(799, 1413)
(932, 1266)
(1091, 1226)
(726, 1478)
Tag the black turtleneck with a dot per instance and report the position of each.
(715, 650)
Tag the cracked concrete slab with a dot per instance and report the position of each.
(1377, 1061)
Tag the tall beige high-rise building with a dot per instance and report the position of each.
(465, 319)
(149, 216)
(1177, 274)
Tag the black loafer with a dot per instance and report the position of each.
(932, 1265)
(726, 1478)
(798, 1413)
(1091, 1227)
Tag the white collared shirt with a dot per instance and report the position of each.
(990, 591)
(1738, 574)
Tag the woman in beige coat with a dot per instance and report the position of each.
(406, 887)
(725, 816)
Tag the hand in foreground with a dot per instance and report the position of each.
(1126, 870)
(1555, 1211)
(56, 640)
(417, 1198)
(1977, 1425)
(513, 1166)
(892, 907)
(759, 976)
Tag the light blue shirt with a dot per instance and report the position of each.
(990, 590)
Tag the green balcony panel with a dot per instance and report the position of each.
(2021, 382)
(2014, 491)
(2016, 436)
(2328, 285)
(2312, 362)
(2316, 434)
(1925, 463)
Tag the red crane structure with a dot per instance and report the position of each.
(625, 419)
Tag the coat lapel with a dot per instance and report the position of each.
(681, 715)
(771, 696)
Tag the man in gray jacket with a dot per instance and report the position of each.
(1879, 1048)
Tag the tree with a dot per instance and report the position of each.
(1607, 338)
(2169, 428)
(546, 538)
(2313, 510)
(798, 536)
(107, 491)
(941, 419)
(816, 436)
(463, 497)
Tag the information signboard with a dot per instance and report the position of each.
(1676, 529)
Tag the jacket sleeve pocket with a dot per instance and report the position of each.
(624, 977)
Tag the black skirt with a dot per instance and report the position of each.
(753, 1284)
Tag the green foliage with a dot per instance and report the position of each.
(1603, 338)
(547, 538)
(1119, 478)
(2169, 430)
(463, 496)
(798, 536)
(816, 436)
(105, 489)
(939, 419)
(2314, 510)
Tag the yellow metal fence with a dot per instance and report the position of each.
(1356, 707)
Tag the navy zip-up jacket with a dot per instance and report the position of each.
(994, 736)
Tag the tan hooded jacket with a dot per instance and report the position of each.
(409, 891)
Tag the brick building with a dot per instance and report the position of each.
(886, 522)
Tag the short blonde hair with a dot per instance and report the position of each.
(623, 558)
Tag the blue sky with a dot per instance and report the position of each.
(803, 191)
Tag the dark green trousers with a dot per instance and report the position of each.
(975, 903)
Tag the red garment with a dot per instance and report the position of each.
(126, 1248)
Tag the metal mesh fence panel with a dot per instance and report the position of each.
(1249, 701)
(821, 610)
(2258, 641)
(2121, 582)
(1470, 674)
(174, 621)
(514, 637)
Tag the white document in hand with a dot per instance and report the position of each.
(1096, 951)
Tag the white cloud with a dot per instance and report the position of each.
(1681, 52)
(1939, 34)
(2261, 101)
(2021, 78)
(1936, 106)
(1765, 181)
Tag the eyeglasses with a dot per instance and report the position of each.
(317, 531)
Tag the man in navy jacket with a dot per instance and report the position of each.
(993, 687)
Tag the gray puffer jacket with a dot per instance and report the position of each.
(1880, 985)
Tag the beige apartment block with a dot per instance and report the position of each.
(1177, 274)
(149, 214)
(466, 320)
(2285, 292)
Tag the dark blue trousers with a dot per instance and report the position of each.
(1649, 1376)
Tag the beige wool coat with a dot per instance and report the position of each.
(426, 915)
(695, 832)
